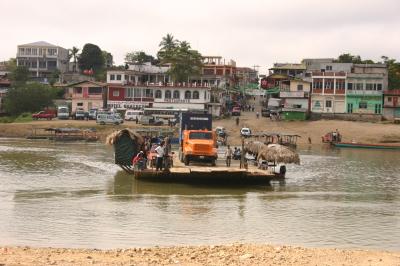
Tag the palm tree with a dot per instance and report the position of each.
(74, 53)
(168, 42)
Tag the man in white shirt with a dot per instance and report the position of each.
(160, 150)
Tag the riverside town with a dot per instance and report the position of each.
(212, 133)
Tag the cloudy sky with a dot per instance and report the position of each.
(251, 32)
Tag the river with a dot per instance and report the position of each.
(72, 195)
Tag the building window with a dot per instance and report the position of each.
(112, 77)
(129, 92)
(137, 93)
(79, 104)
(148, 93)
(369, 86)
(300, 87)
(158, 94)
(350, 86)
(34, 51)
(28, 51)
(177, 95)
(328, 67)
(328, 84)
(328, 104)
(167, 94)
(188, 95)
(340, 84)
(205, 95)
(389, 99)
(126, 77)
(22, 51)
(379, 87)
(34, 64)
(116, 93)
(78, 90)
(196, 95)
(363, 105)
(118, 77)
(95, 90)
(52, 51)
(359, 86)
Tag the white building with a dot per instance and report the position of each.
(42, 58)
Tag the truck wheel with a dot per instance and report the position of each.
(186, 160)
(213, 163)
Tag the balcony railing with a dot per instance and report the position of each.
(363, 92)
(292, 94)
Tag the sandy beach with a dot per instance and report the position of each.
(235, 254)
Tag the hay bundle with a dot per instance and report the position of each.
(278, 154)
(126, 145)
(254, 147)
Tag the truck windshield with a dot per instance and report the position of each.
(200, 135)
(63, 110)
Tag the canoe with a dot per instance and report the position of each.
(366, 146)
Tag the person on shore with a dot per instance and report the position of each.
(237, 121)
(258, 115)
(309, 140)
(228, 156)
(137, 120)
(160, 150)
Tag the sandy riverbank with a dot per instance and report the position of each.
(358, 131)
(236, 254)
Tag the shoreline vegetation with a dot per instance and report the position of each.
(233, 254)
(365, 132)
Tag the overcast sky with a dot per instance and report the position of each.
(251, 32)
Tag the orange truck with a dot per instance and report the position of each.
(198, 142)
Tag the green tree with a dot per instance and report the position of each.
(31, 97)
(349, 58)
(139, 57)
(55, 75)
(184, 61)
(73, 52)
(91, 58)
(20, 75)
(168, 46)
(108, 59)
(393, 72)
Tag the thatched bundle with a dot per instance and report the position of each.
(278, 154)
(254, 147)
(126, 145)
(116, 135)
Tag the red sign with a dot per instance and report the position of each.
(264, 83)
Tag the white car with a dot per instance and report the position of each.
(245, 132)
(110, 118)
(131, 115)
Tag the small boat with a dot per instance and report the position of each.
(366, 146)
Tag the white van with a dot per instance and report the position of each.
(63, 112)
(109, 118)
(131, 115)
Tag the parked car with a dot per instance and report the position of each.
(93, 114)
(265, 112)
(245, 132)
(131, 115)
(221, 132)
(43, 115)
(105, 118)
(150, 120)
(236, 111)
(80, 114)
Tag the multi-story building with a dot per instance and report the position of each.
(88, 95)
(217, 72)
(148, 86)
(289, 69)
(365, 86)
(42, 58)
(391, 104)
(328, 92)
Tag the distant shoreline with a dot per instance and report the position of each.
(366, 132)
(235, 254)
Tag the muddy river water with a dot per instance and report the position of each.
(72, 195)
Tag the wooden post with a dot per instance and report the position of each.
(242, 155)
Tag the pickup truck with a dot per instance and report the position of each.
(43, 115)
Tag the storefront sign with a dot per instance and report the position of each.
(127, 104)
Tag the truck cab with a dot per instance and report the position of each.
(198, 145)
